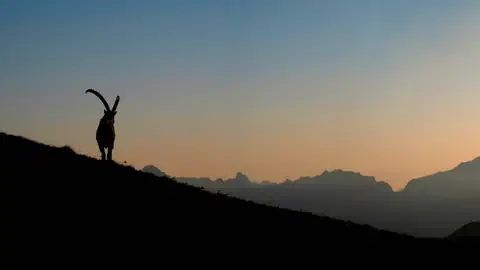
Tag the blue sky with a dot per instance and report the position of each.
(234, 72)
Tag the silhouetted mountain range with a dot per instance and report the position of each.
(433, 205)
(62, 207)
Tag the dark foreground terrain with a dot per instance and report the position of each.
(58, 205)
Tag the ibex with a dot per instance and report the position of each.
(106, 130)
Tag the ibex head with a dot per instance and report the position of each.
(108, 114)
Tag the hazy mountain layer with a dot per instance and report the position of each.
(434, 205)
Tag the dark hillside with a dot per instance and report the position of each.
(58, 205)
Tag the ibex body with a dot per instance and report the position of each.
(105, 135)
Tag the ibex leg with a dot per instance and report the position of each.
(109, 154)
(102, 151)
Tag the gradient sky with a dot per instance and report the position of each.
(275, 89)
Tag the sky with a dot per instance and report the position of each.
(274, 89)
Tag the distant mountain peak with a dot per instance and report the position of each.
(461, 181)
(341, 172)
(342, 175)
(241, 177)
(154, 170)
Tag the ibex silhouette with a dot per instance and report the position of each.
(106, 127)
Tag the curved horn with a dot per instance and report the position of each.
(116, 104)
(100, 97)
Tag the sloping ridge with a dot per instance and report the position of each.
(461, 181)
(467, 231)
(58, 200)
